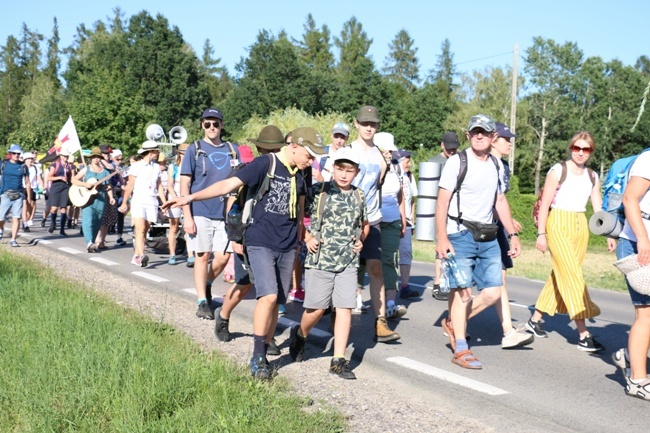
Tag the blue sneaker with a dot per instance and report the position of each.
(172, 260)
(190, 262)
(282, 310)
(259, 368)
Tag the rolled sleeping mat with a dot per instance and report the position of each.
(606, 224)
(425, 216)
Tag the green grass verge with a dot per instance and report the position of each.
(72, 361)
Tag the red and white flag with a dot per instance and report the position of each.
(67, 139)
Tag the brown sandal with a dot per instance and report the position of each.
(464, 359)
(447, 326)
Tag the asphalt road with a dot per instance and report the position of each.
(548, 386)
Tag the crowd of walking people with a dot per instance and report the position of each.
(336, 214)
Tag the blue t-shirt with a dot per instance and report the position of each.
(217, 163)
(272, 228)
(12, 176)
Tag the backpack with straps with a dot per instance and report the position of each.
(199, 151)
(615, 183)
(317, 223)
(240, 215)
(538, 202)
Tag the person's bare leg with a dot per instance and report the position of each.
(377, 289)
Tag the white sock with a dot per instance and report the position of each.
(390, 303)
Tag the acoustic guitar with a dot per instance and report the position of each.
(80, 196)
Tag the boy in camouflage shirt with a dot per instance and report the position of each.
(338, 229)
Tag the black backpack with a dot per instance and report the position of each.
(240, 215)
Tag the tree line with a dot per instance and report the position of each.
(125, 73)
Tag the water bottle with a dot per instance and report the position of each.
(457, 278)
(444, 281)
(234, 226)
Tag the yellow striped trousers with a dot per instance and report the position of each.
(565, 290)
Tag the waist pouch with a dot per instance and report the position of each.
(482, 232)
(14, 195)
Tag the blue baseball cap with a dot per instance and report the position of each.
(212, 112)
(503, 130)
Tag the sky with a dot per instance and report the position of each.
(481, 34)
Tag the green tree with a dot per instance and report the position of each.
(552, 71)
(315, 47)
(353, 45)
(401, 65)
(53, 60)
(218, 81)
(444, 72)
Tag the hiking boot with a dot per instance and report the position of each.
(260, 369)
(273, 349)
(437, 293)
(407, 293)
(517, 338)
(638, 390)
(395, 311)
(204, 311)
(221, 330)
(145, 260)
(621, 359)
(297, 345)
(536, 328)
(341, 368)
(589, 344)
(383, 333)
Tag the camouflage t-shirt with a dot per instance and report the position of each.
(342, 218)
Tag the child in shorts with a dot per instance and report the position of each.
(338, 229)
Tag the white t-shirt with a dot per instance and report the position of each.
(34, 173)
(477, 193)
(574, 192)
(372, 162)
(640, 168)
(389, 203)
(145, 188)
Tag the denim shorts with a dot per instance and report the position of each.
(6, 204)
(481, 260)
(272, 271)
(626, 248)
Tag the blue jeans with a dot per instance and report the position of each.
(481, 260)
(626, 248)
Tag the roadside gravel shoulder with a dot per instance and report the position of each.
(374, 403)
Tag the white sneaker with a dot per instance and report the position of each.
(1, 234)
(395, 311)
(30, 223)
(516, 338)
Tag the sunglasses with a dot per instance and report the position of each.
(208, 125)
(577, 149)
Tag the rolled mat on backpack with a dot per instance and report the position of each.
(604, 223)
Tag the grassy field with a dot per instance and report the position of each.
(72, 361)
(598, 269)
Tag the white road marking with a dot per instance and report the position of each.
(315, 331)
(104, 261)
(69, 250)
(191, 290)
(150, 277)
(514, 304)
(447, 376)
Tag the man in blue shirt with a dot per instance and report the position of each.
(15, 188)
(206, 162)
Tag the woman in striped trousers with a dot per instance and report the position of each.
(563, 230)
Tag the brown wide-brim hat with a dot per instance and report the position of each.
(270, 138)
(95, 151)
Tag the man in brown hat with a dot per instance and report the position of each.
(373, 167)
(272, 237)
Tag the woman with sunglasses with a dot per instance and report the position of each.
(563, 230)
